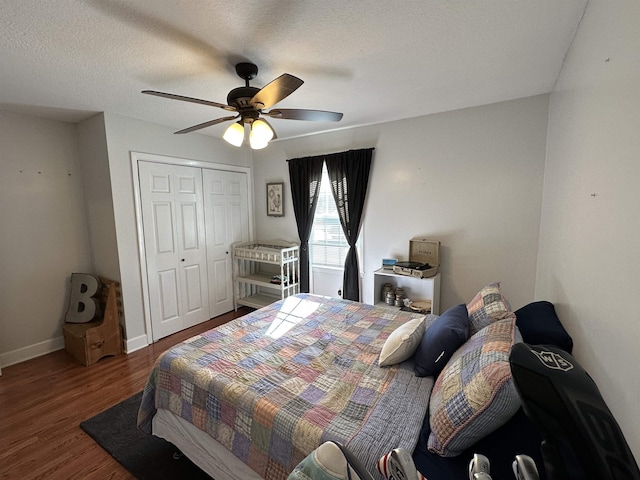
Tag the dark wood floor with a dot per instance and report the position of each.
(43, 401)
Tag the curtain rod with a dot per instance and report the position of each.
(334, 153)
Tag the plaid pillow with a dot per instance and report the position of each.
(488, 306)
(475, 393)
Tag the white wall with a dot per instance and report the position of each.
(125, 135)
(67, 206)
(92, 143)
(43, 232)
(470, 178)
(590, 245)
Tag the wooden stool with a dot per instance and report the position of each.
(89, 342)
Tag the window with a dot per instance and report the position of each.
(328, 245)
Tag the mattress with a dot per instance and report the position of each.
(212, 457)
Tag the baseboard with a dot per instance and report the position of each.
(42, 348)
(136, 343)
(32, 351)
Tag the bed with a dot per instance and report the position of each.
(273, 385)
(251, 398)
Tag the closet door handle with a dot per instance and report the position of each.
(182, 260)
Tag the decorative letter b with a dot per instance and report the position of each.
(82, 308)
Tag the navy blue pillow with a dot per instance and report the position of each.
(539, 325)
(441, 339)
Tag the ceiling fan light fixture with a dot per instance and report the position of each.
(234, 134)
(261, 134)
(256, 144)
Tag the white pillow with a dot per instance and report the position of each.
(402, 343)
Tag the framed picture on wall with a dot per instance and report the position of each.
(275, 199)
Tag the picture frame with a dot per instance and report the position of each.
(275, 199)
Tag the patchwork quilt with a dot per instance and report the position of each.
(275, 384)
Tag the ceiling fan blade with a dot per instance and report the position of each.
(298, 114)
(206, 124)
(277, 90)
(190, 99)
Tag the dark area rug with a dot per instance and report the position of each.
(145, 456)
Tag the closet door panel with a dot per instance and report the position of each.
(193, 276)
(226, 214)
(168, 283)
(163, 228)
(175, 246)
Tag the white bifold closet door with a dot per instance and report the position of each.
(227, 222)
(191, 216)
(175, 246)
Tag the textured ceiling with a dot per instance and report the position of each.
(375, 60)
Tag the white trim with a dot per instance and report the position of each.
(54, 344)
(141, 250)
(151, 157)
(136, 343)
(185, 162)
(31, 351)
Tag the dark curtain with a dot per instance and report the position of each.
(305, 175)
(349, 175)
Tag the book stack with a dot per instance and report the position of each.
(388, 263)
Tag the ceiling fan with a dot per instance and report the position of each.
(249, 103)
